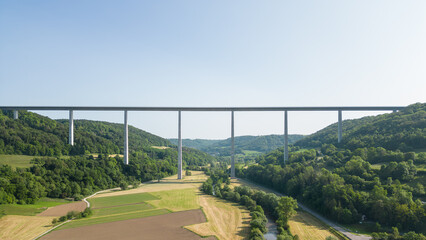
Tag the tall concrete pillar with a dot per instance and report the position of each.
(232, 146)
(71, 135)
(179, 145)
(126, 139)
(285, 137)
(339, 130)
(15, 114)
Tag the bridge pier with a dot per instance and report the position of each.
(339, 130)
(126, 139)
(71, 134)
(285, 137)
(232, 146)
(179, 145)
(15, 114)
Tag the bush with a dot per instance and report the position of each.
(54, 221)
(188, 173)
(256, 234)
(258, 223)
(78, 197)
(124, 185)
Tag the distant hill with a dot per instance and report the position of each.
(404, 130)
(36, 135)
(261, 144)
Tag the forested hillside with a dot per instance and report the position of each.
(33, 134)
(372, 175)
(81, 174)
(261, 144)
(404, 130)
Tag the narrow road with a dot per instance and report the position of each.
(334, 225)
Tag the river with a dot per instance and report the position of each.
(272, 229)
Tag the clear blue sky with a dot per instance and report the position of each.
(213, 53)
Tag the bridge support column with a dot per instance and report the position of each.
(339, 130)
(179, 145)
(285, 137)
(71, 135)
(15, 114)
(232, 146)
(126, 139)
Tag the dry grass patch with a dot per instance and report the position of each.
(160, 147)
(168, 183)
(14, 227)
(308, 227)
(224, 219)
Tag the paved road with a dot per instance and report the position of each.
(334, 225)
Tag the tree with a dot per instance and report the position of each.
(286, 208)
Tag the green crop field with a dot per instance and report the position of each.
(31, 209)
(177, 200)
(113, 218)
(101, 202)
(121, 209)
(117, 208)
(21, 161)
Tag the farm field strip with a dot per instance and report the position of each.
(31, 209)
(224, 219)
(121, 209)
(101, 202)
(113, 217)
(23, 227)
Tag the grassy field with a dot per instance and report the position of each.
(31, 209)
(113, 217)
(14, 227)
(121, 200)
(303, 224)
(21, 161)
(121, 209)
(177, 200)
(308, 227)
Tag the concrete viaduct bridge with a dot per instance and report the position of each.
(285, 110)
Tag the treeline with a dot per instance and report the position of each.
(36, 135)
(80, 176)
(261, 144)
(280, 208)
(404, 130)
(349, 192)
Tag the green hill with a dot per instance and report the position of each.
(404, 130)
(261, 144)
(36, 135)
(373, 173)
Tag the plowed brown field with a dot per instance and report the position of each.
(62, 210)
(168, 226)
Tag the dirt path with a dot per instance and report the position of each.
(168, 226)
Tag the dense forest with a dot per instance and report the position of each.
(404, 130)
(260, 144)
(64, 171)
(371, 176)
(36, 135)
